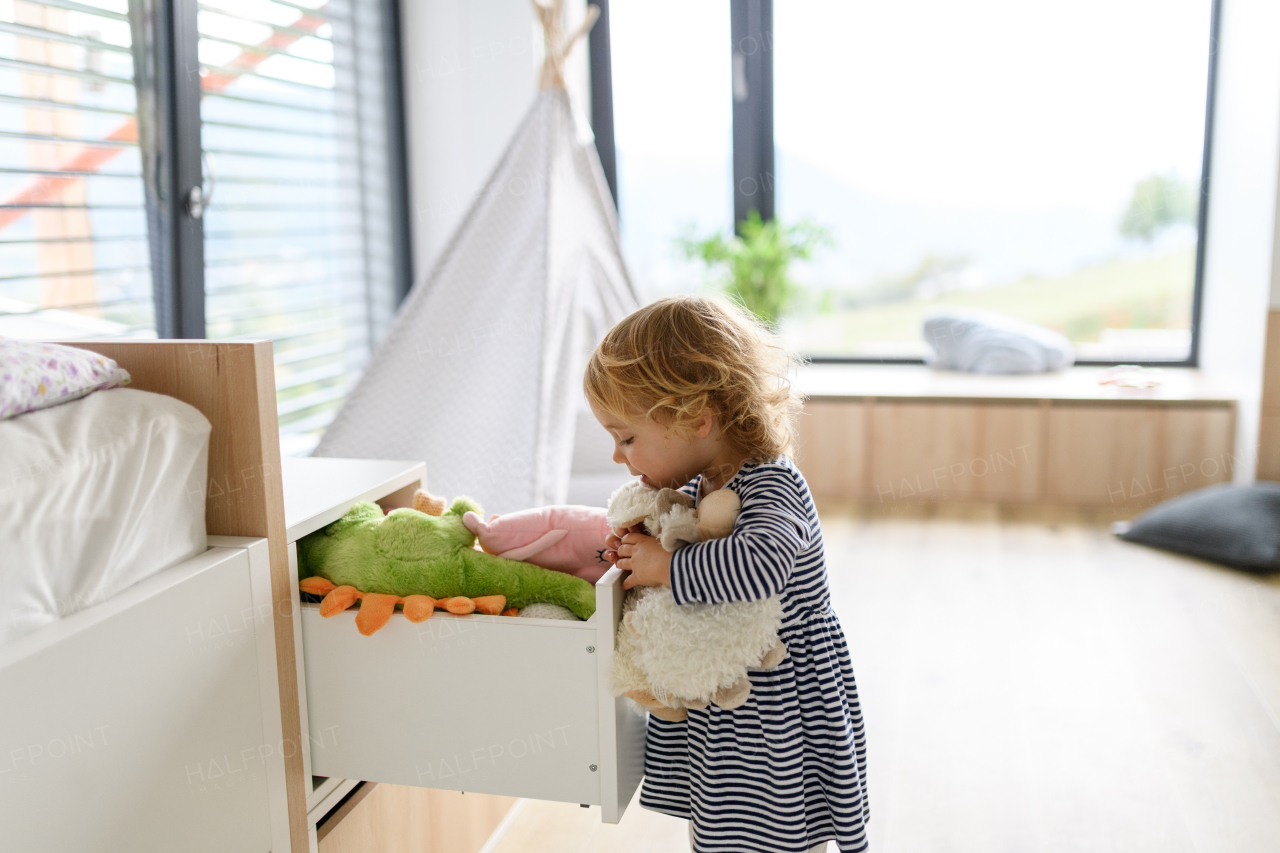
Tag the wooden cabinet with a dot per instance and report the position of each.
(888, 450)
(831, 438)
(402, 819)
(1135, 455)
(916, 436)
(955, 451)
(1269, 423)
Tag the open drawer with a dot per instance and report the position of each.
(489, 704)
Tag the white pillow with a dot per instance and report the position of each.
(35, 375)
(985, 342)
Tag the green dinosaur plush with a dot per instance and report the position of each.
(423, 561)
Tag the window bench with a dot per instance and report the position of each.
(883, 433)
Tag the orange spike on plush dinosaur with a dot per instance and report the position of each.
(423, 559)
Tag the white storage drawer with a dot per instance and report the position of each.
(149, 721)
(489, 704)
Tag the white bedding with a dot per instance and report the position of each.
(96, 495)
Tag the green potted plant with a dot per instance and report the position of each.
(753, 264)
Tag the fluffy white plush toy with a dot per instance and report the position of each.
(669, 658)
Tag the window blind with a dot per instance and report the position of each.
(74, 259)
(298, 243)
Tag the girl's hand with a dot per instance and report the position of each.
(614, 539)
(646, 559)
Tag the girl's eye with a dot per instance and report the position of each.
(625, 441)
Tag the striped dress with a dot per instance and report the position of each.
(788, 769)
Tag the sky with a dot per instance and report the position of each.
(671, 76)
(1014, 105)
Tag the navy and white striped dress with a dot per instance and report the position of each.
(788, 769)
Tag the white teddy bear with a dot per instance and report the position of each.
(670, 657)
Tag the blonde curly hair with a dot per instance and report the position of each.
(676, 358)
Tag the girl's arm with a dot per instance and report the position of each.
(756, 560)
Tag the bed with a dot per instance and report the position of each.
(96, 495)
(147, 693)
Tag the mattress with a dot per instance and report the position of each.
(96, 495)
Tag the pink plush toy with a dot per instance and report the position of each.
(568, 539)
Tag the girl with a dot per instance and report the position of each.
(696, 397)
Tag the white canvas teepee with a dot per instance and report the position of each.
(480, 373)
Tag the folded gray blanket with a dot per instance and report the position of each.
(984, 342)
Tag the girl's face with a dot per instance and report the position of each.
(663, 458)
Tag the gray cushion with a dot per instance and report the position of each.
(1234, 525)
(985, 342)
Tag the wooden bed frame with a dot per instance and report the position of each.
(233, 385)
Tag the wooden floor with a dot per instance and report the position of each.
(1032, 684)
(399, 819)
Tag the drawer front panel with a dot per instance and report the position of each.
(139, 727)
(494, 705)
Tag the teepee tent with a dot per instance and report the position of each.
(480, 373)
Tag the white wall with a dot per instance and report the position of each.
(470, 69)
(1240, 271)
(469, 77)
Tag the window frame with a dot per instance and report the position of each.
(751, 70)
(600, 58)
(166, 39)
(753, 150)
(398, 151)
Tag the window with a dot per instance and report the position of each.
(293, 119)
(74, 259)
(1025, 158)
(297, 246)
(1039, 160)
(673, 129)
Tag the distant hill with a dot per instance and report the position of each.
(876, 237)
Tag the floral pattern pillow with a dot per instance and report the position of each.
(35, 375)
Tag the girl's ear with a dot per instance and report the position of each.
(705, 424)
